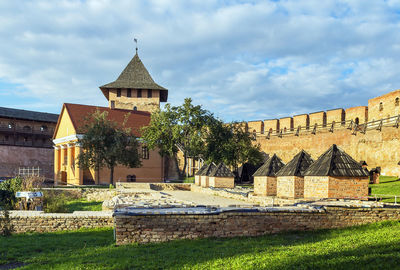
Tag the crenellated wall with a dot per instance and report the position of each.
(378, 145)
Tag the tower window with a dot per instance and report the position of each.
(145, 152)
(381, 106)
(10, 125)
(112, 104)
(134, 108)
(118, 92)
(139, 93)
(129, 92)
(397, 101)
(43, 128)
(131, 178)
(149, 93)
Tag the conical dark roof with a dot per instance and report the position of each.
(208, 169)
(135, 76)
(265, 156)
(336, 162)
(297, 166)
(271, 167)
(221, 171)
(200, 171)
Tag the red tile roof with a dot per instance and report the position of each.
(78, 113)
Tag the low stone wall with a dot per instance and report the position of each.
(153, 186)
(146, 227)
(37, 221)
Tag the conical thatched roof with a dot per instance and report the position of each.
(336, 162)
(297, 166)
(271, 167)
(207, 170)
(221, 171)
(200, 171)
(135, 76)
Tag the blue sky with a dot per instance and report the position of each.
(242, 60)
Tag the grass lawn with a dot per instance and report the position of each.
(82, 205)
(388, 185)
(375, 246)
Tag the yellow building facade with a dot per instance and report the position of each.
(132, 98)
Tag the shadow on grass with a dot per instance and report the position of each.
(83, 206)
(303, 250)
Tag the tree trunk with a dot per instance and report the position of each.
(177, 166)
(112, 175)
(184, 165)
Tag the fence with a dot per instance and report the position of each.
(352, 126)
(29, 171)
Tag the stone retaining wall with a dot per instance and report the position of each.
(164, 227)
(37, 221)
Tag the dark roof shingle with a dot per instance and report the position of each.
(336, 162)
(208, 169)
(221, 171)
(271, 167)
(135, 76)
(297, 166)
(28, 115)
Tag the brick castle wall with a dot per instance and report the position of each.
(290, 187)
(265, 185)
(377, 148)
(13, 157)
(159, 228)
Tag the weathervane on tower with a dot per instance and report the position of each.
(135, 40)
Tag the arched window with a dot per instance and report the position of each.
(357, 121)
(380, 106)
(397, 101)
(284, 130)
(134, 108)
(43, 128)
(131, 178)
(271, 130)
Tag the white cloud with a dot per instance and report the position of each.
(242, 60)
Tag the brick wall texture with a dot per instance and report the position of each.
(159, 228)
(265, 185)
(222, 182)
(290, 187)
(34, 221)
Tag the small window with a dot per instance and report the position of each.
(10, 125)
(145, 152)
(149, 93)
(357, 121)
(118, 92)
(43, 128)
(131, 178)
(139, 93)
(134, 108)
(129, 92)
(381, 106)
(397, 101)
(112, 104)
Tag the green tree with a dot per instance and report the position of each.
(231, 144)
(107, 144)
(179, 128)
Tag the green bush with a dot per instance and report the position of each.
(55, 203)
(9, 188)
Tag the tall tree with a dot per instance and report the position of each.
(231, 144)
(177, 128)
(106, 144)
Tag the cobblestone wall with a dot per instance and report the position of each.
(159, 228)
(37, 221)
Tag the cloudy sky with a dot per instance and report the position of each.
(242, 60)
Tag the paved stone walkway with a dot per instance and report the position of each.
(205, 199)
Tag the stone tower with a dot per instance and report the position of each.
(134, 89)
